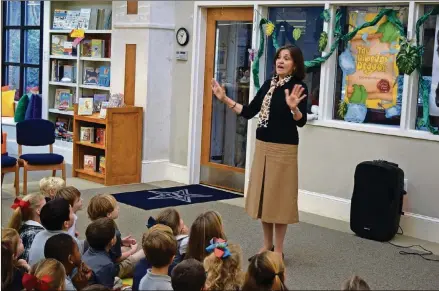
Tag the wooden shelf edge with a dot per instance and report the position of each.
(91, 118)
(89, 173)
(92, 145)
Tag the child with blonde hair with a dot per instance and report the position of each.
(206, 226)
(47, 274)
(105, 205)
(355, 283)
(11, 275)
(73, 196)
(10, 237)
(266, 272)
(26, 219)
(223, 266)
(50, 185)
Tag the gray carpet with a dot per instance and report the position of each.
(317, 258)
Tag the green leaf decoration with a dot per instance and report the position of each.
(342, 109)
(323, 41)
(408, 57)
(325, 15)
(359, 96)
(297, 32)
(389, 31)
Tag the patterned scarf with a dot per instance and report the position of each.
(264, 114)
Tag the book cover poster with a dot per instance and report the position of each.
(434, 90)
(85, 106)
(372, 77)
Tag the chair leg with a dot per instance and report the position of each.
(25, 180)
(53, 173)
(17, 181)
(64, 172)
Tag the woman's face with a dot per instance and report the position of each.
(284, 63)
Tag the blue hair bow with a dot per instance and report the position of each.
(151, 222)
(219, 247)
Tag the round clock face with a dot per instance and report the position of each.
(182, 36)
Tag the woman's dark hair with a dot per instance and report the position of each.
(297, 56)
(7, 265)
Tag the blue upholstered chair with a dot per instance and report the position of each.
(9, 165)
(38, 132)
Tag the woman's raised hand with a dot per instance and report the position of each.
(293, 99)
(218, 91)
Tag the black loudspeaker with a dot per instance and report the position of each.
(376, 204)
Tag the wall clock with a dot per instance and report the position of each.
(182, 36)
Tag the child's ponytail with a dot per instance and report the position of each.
(23, 209)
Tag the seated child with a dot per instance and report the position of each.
(56, 217)
(50, 185)
(355, 283)
(63, 248)
(160, 247)
(101, 236)
(189, 275)
(224, 268)
(105, 205)
(265, 272)
(26, 219)
(206, 226)
(47, 274)
(12, 268)
(73, 196)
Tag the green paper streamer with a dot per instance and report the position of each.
(425, 120)
(323, 41)
(326, 16)
(255, 68)
(297, 33)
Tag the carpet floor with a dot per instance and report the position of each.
(317, 258)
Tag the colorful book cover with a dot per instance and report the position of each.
(86, 48)
(85, 106)
(90, 163)
(102, 165)
(104, 76)
(100, 136)
(97, 101)
(91, 76)
(59, 19)
(68, 48)
(69, 74)
(65, 101)
(58, 42)
(58, 95)
(97, 48)
(369, 63)
(87, 134)
(103, 112)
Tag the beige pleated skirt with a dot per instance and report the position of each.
(273, 185)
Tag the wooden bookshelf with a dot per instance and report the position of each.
(122, 149)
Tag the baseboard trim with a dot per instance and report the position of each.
(162, 169)
(414, 225)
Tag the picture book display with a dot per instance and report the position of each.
(103, 112)
(87, 134)
(64, 128)
(58, 92)
(85, 106)
(102, 165)
(90, 163)
(99, 76)
(63, 71)
(97, 101)
(100, 136)
(65, 101)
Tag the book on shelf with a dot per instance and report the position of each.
(91, 76)
(86, 48)
(85, 18)
(85, 106)
(97, 48)
(69, 74)
(103, 112)
(100, 136)
(57, 44)
(104, 76)
(65, 101)
(87, 134)
(102, 165)
(97, 101)
(58, 92)
(68, 48)
(90, 163)
(62, 72)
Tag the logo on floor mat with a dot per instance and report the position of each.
(181, 195)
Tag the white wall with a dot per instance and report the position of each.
(152, 30)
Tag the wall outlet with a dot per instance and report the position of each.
(406, 182)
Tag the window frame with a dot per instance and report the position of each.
(23, 28)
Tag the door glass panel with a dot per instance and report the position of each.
(232, 69)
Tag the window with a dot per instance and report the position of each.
(369, 88)
(22, 41)
(309, 21)
(430, 68)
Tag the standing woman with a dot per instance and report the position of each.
(281, 103)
